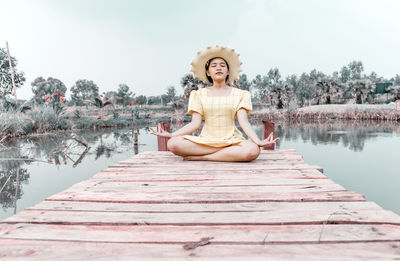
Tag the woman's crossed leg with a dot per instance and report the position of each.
(243, 151)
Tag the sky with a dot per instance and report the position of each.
(149, 45)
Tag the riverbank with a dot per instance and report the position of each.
(377, 112)
(44, 120)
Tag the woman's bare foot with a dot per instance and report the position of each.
(203, 157)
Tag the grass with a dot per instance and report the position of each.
(42, 119)
(15, 124)
(38, 120)
(305, 115)
(45, 118)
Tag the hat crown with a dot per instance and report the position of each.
(228, 54)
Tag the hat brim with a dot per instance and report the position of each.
(228, 54)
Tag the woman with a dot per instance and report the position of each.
(219, 105)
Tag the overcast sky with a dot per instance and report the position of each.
(149, 44)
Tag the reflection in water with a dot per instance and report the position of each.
(135, 140)
(11, 178)
(60, 149)
(352, 135)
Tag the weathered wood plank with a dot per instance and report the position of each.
(277, 151)
(140, 176)
(208, 183)
(99, 186)
(216, 207)
(262, 156)
(184, 168)
(191, 197)
(11, 249)
(239, 234)
(173, 160)
(320, 216)
(218, 174)
(215, 165)
(219, 170)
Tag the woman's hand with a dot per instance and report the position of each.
(161, 132)
(269, 140)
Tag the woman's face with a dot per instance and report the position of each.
(218, 70)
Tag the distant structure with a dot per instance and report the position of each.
(381, 87)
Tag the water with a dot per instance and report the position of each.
(361, 157)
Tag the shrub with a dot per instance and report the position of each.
(45, 118)
(15, 124)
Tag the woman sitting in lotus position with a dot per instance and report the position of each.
(219, 105)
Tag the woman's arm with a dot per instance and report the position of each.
(246, 127)
(190, 127)
(244, 123)
(187, 129)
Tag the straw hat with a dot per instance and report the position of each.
(228, 54)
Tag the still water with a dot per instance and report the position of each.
(362, 157)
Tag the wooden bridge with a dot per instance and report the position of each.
(156, 206)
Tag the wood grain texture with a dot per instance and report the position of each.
(192, 197)
(319, 216)
(157, 206)
(11, 249)
(331, 206)
(235, 234)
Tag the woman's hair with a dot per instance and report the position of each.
(208, 66)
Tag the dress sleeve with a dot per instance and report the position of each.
(195, 103)
(245, 102)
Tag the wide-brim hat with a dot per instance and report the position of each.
(228, 54)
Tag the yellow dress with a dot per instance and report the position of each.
(219, 113)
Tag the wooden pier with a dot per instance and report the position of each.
(156, 206)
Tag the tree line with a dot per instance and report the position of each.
(348, 85)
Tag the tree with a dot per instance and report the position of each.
(362, 89)
(329, 88)
(345, 74)
(84, 91)
(42, 87)
(170, 96)
(275, 86)
(141, 99)
(6, 87)
(305, 89)
(291, 86)
(171, 93)
(101, 104)
(154, 100)
(316, 79)
(356, 68)
(189, 83)
(395, 88)
(396, 80)
(260, 83)
(110, 94)
(373, 76)
(243, 83)
(124, 95)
